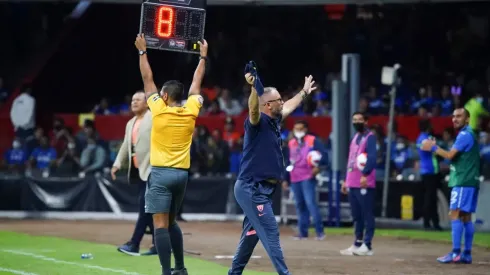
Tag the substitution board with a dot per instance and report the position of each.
(173, 25)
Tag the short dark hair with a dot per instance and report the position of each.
(303, 122)
(466, 112)
(364, 116)
(174, 89)
(424, 125)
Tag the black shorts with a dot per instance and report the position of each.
(166, 190)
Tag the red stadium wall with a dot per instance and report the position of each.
(112, 127)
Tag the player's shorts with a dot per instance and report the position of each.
(166, 189)
(464, 199)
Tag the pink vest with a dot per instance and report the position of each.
(298, 158)
(353, 173)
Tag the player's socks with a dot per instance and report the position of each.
(162, 243)
(369, 246)
(177, 245)
(457, 233)
(469, 232)
(358, 243)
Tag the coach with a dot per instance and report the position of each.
(135, 150)
(360, 185)
(431, 178)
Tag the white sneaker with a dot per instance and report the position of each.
(363, 250)
(349, 251)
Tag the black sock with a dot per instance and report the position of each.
(162, 243)
(177, 245)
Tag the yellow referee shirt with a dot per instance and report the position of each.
(171, 132)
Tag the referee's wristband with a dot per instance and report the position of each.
(434, 148)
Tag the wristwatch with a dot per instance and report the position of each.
(203, 57)
(142, 52)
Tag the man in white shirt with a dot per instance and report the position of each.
(23, 114)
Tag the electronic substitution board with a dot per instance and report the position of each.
(173, 25)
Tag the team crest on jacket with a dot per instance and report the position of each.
(260, 208)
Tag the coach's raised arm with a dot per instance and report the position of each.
(253, 99)
(195, 88)
(293, 103)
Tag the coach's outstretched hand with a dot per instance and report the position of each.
(140, 42)
(203, 47)
(308, 87)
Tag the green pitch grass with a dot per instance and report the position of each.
(31, 255)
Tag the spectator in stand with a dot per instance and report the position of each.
(23, 113)
(217, 153)
(59, 135)
(402, 157)
(422, 112)
(34, 141)
(103, 108)
(228, 105)
(4, 93)
(230, 135)
(376, 104)
(198, 154)
(425, 99)
(125, 107)
(87, 130)
(15, 157)
(93, 157)
(446, 102)
(214, 109)
(69, 162)
(364, 105)
(436, 110)
(44, 156)
(322, 107)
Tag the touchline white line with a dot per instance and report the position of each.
(44, 258)
(18, 272)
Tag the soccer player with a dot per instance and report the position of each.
(261, 170)
(464, 178)
(171, 137)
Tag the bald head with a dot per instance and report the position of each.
(271, 102)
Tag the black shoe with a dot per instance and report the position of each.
(150, 252)
(129, 248)
(438, 228)
(179, 272)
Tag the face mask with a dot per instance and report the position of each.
(400, 146)
(16, 144)
(91, 146)
(299, 134)
(358, 126)
(71, 145)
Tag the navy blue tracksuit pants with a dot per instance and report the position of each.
(362, 207)
(259, 224)
(144, 220)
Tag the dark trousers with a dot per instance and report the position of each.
(431, 182)
(144, 220)
(362, 207)
(255, 199)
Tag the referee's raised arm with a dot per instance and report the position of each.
(145, 69)
(195, 88)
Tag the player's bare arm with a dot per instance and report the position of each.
(200, 70)
(430, 145)
(293, 103)
(146, 73)
(253, 101)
